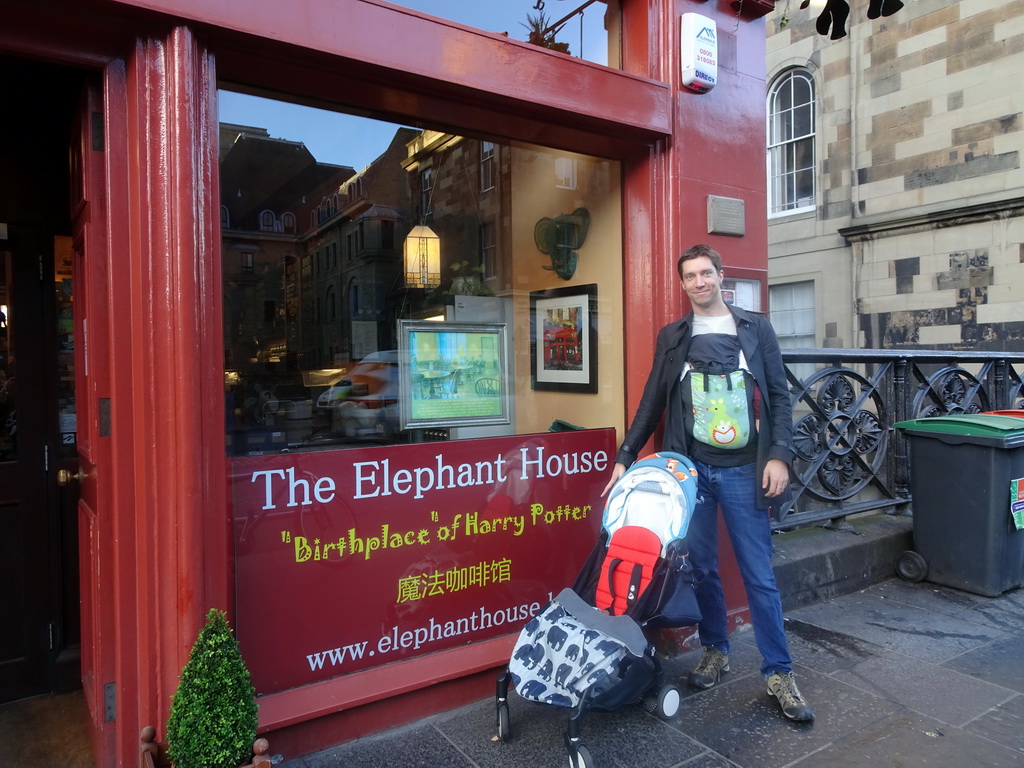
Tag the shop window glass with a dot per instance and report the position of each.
(63, 253)
(586, 29)
(317, 348)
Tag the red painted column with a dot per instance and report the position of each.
(717, 147)
(650, 199)
(167, 496)
(721, 147)
(720, 150)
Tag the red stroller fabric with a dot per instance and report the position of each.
(628, 567)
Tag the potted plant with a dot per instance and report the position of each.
(542, 33)
(467, 279)
(213, 713)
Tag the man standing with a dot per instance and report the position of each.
(719, 378)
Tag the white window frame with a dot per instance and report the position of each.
(267, 220)
(486, 166)
(427, 191)
(794, 316)
(489, 248)
(565, 172)
(791, 155)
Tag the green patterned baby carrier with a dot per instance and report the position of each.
(722, 406)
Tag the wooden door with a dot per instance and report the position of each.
(27, 512)
(39, 642)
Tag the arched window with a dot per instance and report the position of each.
(791, 164)
(288, 222)
(225, 217)
(267, 219)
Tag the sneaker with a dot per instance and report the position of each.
(794, 706)
(709, 668)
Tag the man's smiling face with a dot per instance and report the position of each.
(702, 283)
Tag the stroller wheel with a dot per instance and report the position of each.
(581, 759)
(669, 701)
(503, 721)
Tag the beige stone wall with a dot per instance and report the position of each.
(920, 132)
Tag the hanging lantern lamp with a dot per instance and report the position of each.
(422, 258)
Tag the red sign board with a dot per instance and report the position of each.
(346, 560)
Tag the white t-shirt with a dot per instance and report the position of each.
(725, 324)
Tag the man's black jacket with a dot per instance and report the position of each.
(662, 395)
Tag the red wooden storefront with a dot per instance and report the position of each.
(154, 521)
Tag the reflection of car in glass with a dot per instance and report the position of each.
(365, 401)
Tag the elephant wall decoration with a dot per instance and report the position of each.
(560, 237)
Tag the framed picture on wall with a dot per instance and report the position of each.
(452, 374)
(563, 339)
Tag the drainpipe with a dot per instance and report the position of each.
(856, 247)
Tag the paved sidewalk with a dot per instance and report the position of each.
(898, 674)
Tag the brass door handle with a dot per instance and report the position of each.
(64, 477)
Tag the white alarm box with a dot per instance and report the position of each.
(698, 47)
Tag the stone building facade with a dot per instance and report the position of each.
(905, 229)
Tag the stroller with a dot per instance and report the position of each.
(586, 649)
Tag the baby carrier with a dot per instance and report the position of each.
(586, 649)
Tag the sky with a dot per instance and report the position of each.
(355, 141)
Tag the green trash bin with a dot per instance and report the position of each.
(961, 472)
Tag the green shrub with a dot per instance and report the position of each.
(213, 713)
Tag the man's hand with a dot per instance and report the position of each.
(775, 479)
(617, 471)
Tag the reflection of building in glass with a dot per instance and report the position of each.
(463, 189)
(312, 259)
(352, 264)
(315, 280)
(270, 188)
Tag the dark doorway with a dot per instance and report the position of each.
(39, 647)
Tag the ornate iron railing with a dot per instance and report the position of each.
(849, 457)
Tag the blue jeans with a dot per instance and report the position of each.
(734, 490)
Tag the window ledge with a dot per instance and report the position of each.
(805, 212)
